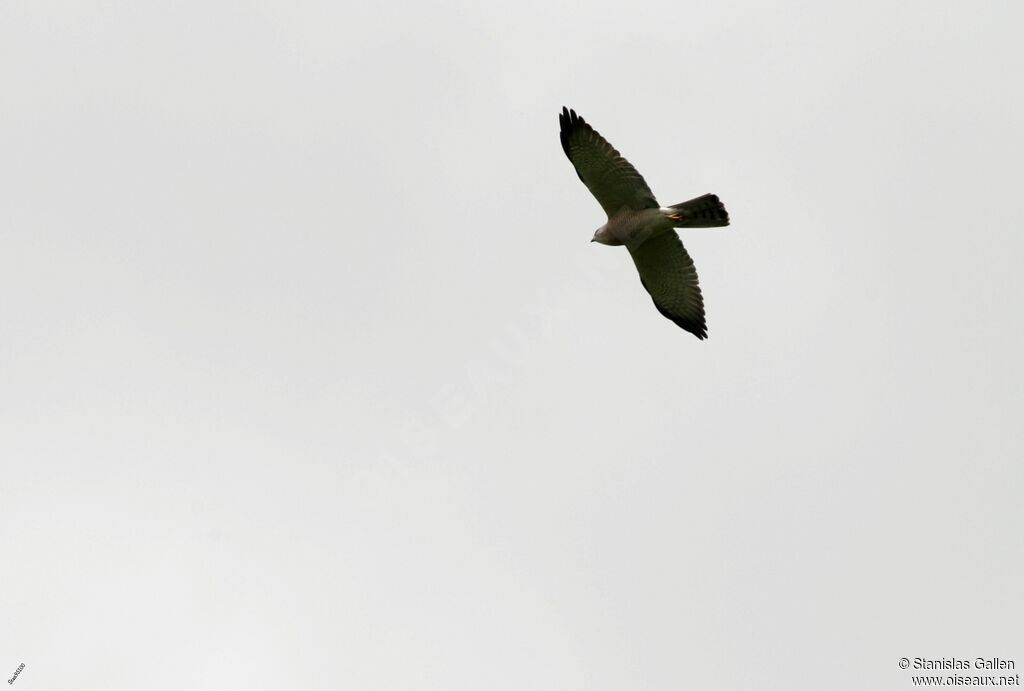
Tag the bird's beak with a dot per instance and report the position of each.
(593, 239)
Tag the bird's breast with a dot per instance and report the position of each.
(631, 227)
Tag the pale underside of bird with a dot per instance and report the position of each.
(636, 220)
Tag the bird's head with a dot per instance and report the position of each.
(604, 237)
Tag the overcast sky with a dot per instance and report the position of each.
(311, 378)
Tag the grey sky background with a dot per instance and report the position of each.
(310, 378)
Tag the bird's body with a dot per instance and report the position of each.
(632, 227)
(636, 220)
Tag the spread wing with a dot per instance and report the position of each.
(609, 177)
(668, 274)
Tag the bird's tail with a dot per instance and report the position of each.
(702, 212)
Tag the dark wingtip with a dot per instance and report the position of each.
(698, 329)
(563, 127)
(569, 122)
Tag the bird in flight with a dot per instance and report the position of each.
(636, 220)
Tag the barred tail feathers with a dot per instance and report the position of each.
(703, 212)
